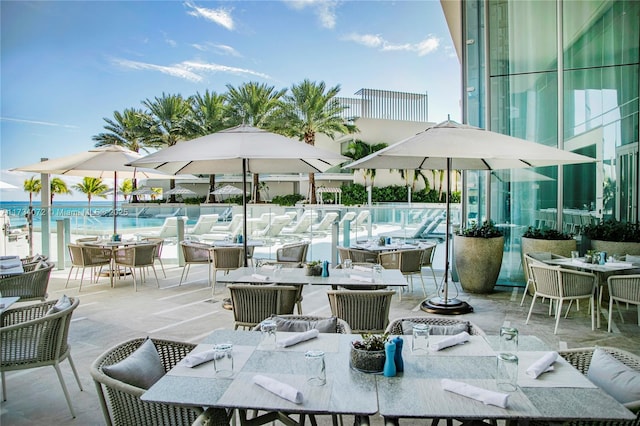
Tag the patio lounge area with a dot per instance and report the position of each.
(107, 316)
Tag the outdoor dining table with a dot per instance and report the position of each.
(375, 247)
(345, 392)
(113, 246)
(297, 276)
(563, 394)
(601, 272)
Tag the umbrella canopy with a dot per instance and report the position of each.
(454, 146)
(5, 185)
(143, 191)
(241, 149)
(227, 190)
(105, 162)
(178, 190)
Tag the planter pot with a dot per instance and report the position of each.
(367, 361)
(314, 271)
(534, 245)
(478, 261)
(615, 247)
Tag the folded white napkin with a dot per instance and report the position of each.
(361, 278)
(361, 268)
(283, 390)
(542, 365)
(12, 262)
(194, 359)
(456, 339)
(268, 266)
(484, 395)
(260, 277)
(298, 337)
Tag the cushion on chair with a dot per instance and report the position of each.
(438, 330)
(42, 264)
(631, 258)
(615, 378)
(63, 303)
(329, 325)
(140, 369)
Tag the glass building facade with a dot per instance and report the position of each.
(563, 73)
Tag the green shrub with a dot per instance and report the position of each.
(546, 234)
(287, 200)
(487, 230)
(612, 230)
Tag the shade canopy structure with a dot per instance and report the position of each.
(454, 146)
(105, 162)
(143, 191)
(242, 149)
(179, 190)
(227, 190)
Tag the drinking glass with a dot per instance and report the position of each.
(347, 264)
(420, 341)
(507, 372)
(268, 329)
(508, 340)
(575, 254)
(316, 372)
(377, 273)
(223, 359)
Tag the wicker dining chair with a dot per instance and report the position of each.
(30, 285)
(225, 259)
(159, 242)
(120, 402)
(92, 257)
(195, 254)
(307, 321)
(139, 256)
(625, 289)
(396, 326)
(35, 336)
(254, 303)
(364, 311)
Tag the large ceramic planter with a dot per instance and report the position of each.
(367, 361)
(615, 247)
(478, 261)
(535, 245)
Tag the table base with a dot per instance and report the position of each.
(439, 305)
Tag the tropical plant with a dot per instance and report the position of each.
(166, 123)
(546, 234)
(208, 115)
(92, 187)
(253, 104)
(371, 342)
(58, 186)
(287, 200)
(32, 185)
(312, 108)
(613, 230)
(359, 149)
(126, 188)
(486, 230)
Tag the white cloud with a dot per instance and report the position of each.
(221, 49)
(39, 123)
(169, 41)
(175, 70)
(325, 10)
(188, 70)
(422, 48)
(219, 16)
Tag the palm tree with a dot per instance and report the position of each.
(166, 123)
(92, 187)
(126, 188)
(253, 104)
(309, 109)
(58, 186)
(127, 129)
(359, 149)
(32, 186)
(208, 115)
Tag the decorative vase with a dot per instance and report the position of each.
(478, 261)
(367, 361)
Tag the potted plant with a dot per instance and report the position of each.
(536, 240)
(367, 355)
(313, 268)
(614, 237)
(478, 254)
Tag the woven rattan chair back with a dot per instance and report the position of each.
(137, 257)
(31, 285)
(254, 303)
(395, 326)
(623, 288)
(364, 311)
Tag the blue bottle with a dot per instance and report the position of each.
(325, 268)
(389, 362)
(398, 359)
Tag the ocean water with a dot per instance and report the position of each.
(99, 218)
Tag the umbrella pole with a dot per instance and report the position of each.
(444, 305)
(115, 202)
(244, 211)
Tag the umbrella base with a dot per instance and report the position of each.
(439, 305)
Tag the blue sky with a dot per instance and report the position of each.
(66, 65)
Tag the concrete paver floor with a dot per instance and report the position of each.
(107, 316)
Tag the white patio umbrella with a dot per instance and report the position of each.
(143, 191)
(241, 149)
(179, 190)
(227, 190)
(104, 162)
(454, 146)
(5, 185)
